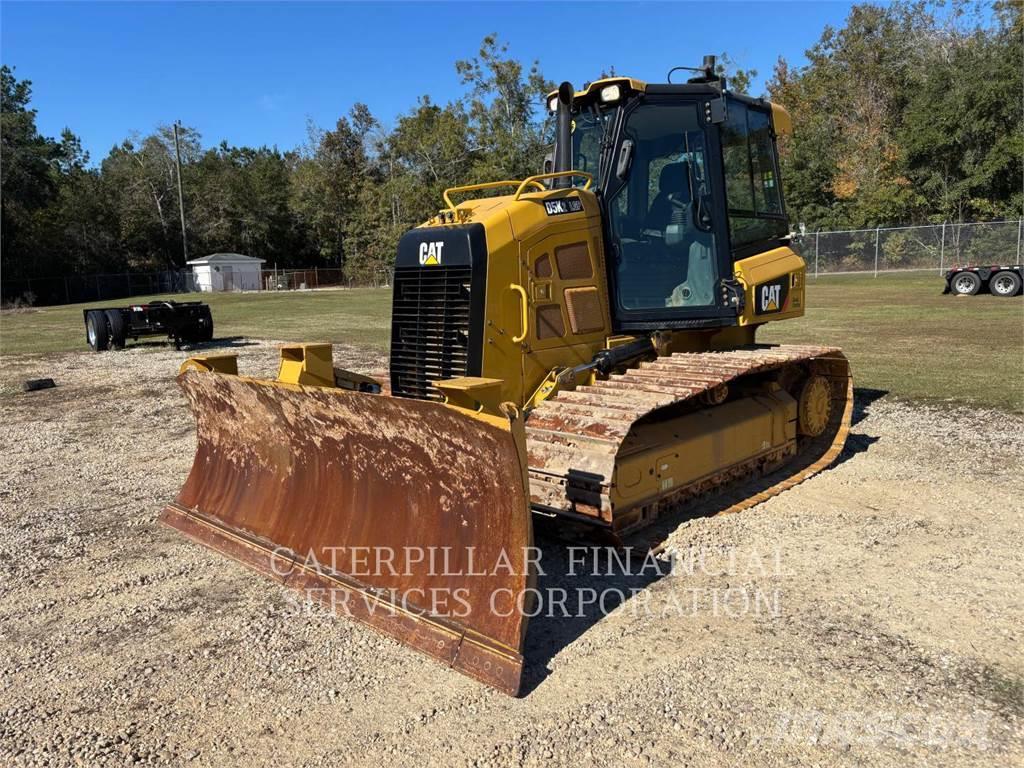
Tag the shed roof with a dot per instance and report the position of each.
(227, 258)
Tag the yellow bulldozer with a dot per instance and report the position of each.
(581, 346)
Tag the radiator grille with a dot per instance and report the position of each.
(430, 323)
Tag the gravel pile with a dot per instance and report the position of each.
(872, 615)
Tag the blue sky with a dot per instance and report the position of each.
(251, 73)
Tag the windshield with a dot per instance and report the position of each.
(588, 129)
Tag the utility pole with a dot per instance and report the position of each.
(181, 197)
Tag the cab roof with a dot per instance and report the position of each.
(781, 120)
(596, 86)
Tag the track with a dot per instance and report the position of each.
(573, 439)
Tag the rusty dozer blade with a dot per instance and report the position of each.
(407, 515)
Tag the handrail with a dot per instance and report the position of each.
(485, 185)
(555, 175)
(525, 312)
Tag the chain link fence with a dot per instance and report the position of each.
(934, 247)
(321, 277)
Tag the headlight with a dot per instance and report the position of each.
(611, 93)
(553, 103)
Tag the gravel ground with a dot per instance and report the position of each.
(871, 616)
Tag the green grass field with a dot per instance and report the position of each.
(901, 334)
(358, 316)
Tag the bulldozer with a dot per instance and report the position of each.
(578, 346)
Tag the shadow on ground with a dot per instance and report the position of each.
(583, 581)
(857, 442)
(595, 578)
(863, 398)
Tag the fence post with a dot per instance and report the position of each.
(316, 276)
(1020, 222)
(942, 248)
(876, 251)
(816, 236)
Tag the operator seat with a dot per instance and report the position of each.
(673, 184)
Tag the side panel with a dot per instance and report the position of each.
(556, 258)
(773, 286)
(502, 321)
(569, 318)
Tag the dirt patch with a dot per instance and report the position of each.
(872, 615)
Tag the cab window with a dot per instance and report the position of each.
(589, 127)
(751, 181)
(661, 217)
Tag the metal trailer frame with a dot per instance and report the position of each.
(183, 322)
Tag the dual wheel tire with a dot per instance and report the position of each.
(105, 329)
(1004, 284)
(199, 333)
(1000, 284)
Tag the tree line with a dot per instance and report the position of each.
(905, 115)
(909, 114)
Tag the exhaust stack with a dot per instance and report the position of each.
(563, 134)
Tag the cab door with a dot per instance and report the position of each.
(668, 244)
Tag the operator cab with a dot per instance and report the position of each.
(666, 161)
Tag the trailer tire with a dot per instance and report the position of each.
(96, 330)
(118, 332)
(965, 284)
(207, 332)
(1004, 284)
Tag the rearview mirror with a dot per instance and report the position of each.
(625, 159)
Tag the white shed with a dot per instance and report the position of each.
(227, 272)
